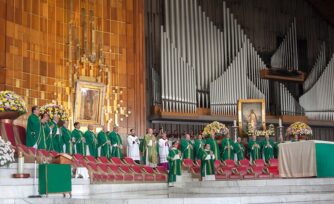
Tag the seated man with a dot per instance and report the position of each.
(207, 164)
(174, 161)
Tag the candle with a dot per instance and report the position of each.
(234, 123)
(280, 122)
(20, 163)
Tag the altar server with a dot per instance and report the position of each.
(163, 150)
(133, 146)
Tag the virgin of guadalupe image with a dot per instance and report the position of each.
(252, 119)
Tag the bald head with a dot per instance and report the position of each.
(187, 137)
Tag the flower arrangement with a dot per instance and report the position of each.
(270, 131)
(6, 152)
(217, 127)
(11, 102)
(299, 128)
(55, 110)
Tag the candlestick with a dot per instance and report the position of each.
(280, 122)
(234, 123)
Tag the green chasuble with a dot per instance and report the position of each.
(67, 137)
(228, 149)
(207, 163)
(239, 149)
(199, 144)
(102, 143)
(80, 146)
(267, 149)
(150, 150)
(187, 149)
(48, 137)
(41, 143)
(174, 162)
(57, 137)
(33, 129)
(116, 143)
(214, 147)
(254, 150)
(91, 141)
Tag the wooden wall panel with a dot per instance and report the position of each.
(34, 51)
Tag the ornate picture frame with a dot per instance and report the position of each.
(251, 111)
(89, 102)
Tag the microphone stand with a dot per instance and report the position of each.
(35, 194)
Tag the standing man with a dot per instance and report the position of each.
(104, 142)
(199, 144)
(133, 146)
(213, 145)
(79, 139)
(187, 148)
(56, 134)
(33, 127)
(48, 136)
(207, 164)
(239, 149)
(67, 139)
(91, 141)
(163, 150)
(150, 151)
(41, 141)
(267, 147)
(116, 142)
(174, 160)
(254, 149)
(227, 147)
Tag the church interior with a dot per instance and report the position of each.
(173, 101)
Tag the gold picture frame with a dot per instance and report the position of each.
(251, 111)
(89, 102)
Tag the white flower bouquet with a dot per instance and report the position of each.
(6, 152)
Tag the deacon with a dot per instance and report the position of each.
(67, 139)
(33, 127)
(133, 146)
(207, 164)
(213, 145)
(239, 149)
(91, 141)
(199, 144)
(41, 143)
(187, 148)
(163, 150)
(150, 149)
(174, 161)
(116, 142)
(79, 139)
(227, 148)
(56, 134)
(104, 143)
(254, 149)
(267, 147)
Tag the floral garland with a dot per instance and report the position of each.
(299, 128)
(10, 101)
(54, 109)
(217, 127)
(6, 152)
(270, 131)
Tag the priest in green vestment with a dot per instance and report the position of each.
(199, 144)
(254, 148)
(207, 164)
(150, 149)
(48, 136)
(104, 142)
(187, 148)
(116, 143)
(56, 134)
(33, 127)
(267, 146)
(67, 137)
(41, 142)
(228, 148)
(91, 141)
(174, 161)
(79, 140)
(239, 149)
(213, 145)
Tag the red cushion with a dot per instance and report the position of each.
(148, 169)
(244, 162)
(90, 159)
(187, 163)
(137, 169)
(161, 169)
(259, 162)
(117, 160)
(125, 169)
(78, 157)
(103, 160)
(230, 163)
(129, 161)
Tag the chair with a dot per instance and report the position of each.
(90, 159)
(245, 173)
(260, 172)
(104, 168)
(274, 172)
(259, 163)
(118, 175)
(187, 164)
(117, 161)
(197, 163)
(139, 170)
(218, 164)
(161, 170)
(95, 174)
(129, 161)
(229, 163)
(79, 161)
(195, 172)
(103, 160)
(129, 175)
(273, 162)
(244, 162)
(158, 176)
(221, 174)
